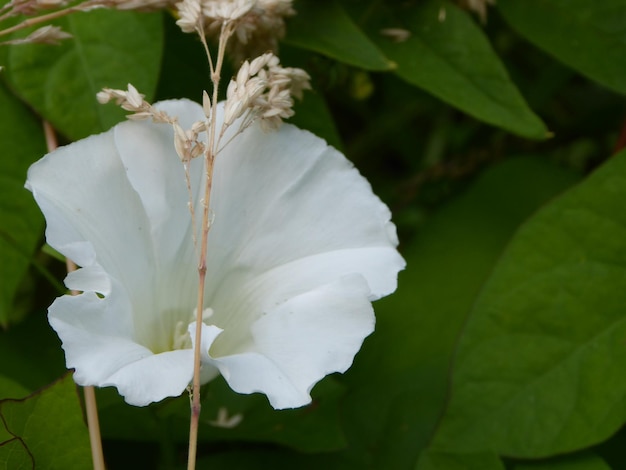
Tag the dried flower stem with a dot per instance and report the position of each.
(90, 396)
(44, 18)
(209, 160)
(94, 428)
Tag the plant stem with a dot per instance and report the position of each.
(91, 407)
(93, 423)
(209, 160)
(86, 6)
(39, 19)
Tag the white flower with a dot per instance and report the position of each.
(298, 249)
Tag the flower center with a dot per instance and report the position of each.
(182, 339)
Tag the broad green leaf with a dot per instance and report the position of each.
(589, 36)
(612, 450)
(326, 28)
(315, 428)
(109, 49)
(9, 388)
(50, 425)
(184, 66)
(540, 367)
(272, 459)
(442, 461)
(21, 223)
(34, 352)
(583, 461)
(13, 455)
(450, 57)
(312, 114)
(398, 383)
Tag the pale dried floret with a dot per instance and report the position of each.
(264, 90)
(20, 7)
(45, 35)
(225, 421)
(186, 143)
(48, 35)
(396, 34)
(226, 10)
(478, 6)
(190, 15)
(140, 5)
(256, 25)
(47, 4)
(132, 100)
(206, 104)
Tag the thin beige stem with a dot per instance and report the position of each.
(209, 159)
(93, 423)
(6, 7)
(9, 8)
(7, 15)
(49, 17)
(38, 19)
(91, 407)
(192, 209)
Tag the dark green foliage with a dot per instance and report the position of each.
(505, 343)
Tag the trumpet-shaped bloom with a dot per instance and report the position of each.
(298, 248)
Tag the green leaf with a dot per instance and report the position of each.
(326, 28)
(540, 367)
(35, 353)
(452, 59)
(441, 461)
(13, 455)
(9, 388)
(184, 66)
(272, 459)
(49, 424)
(612, 450)
(582, 461)
(312, 114)
(315, 428)
(21, 222)
(398, 383)
(589, 36)
(109, 49)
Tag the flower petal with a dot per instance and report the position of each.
(298, 249)
(291, 214)
(157, 174)
(95, 218)
(299, 342)
(291, 185)
(85, 196)
(91, 279)
(103, 352)
(116, 203)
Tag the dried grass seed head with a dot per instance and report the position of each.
(48, 34)
(264, 90)
(132, 100)
(478, 6)
(190, 15)
(256, 25)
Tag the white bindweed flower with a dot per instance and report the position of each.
(298, 249)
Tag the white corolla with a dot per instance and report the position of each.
(298, 248)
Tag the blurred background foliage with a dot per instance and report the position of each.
(496, 142)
